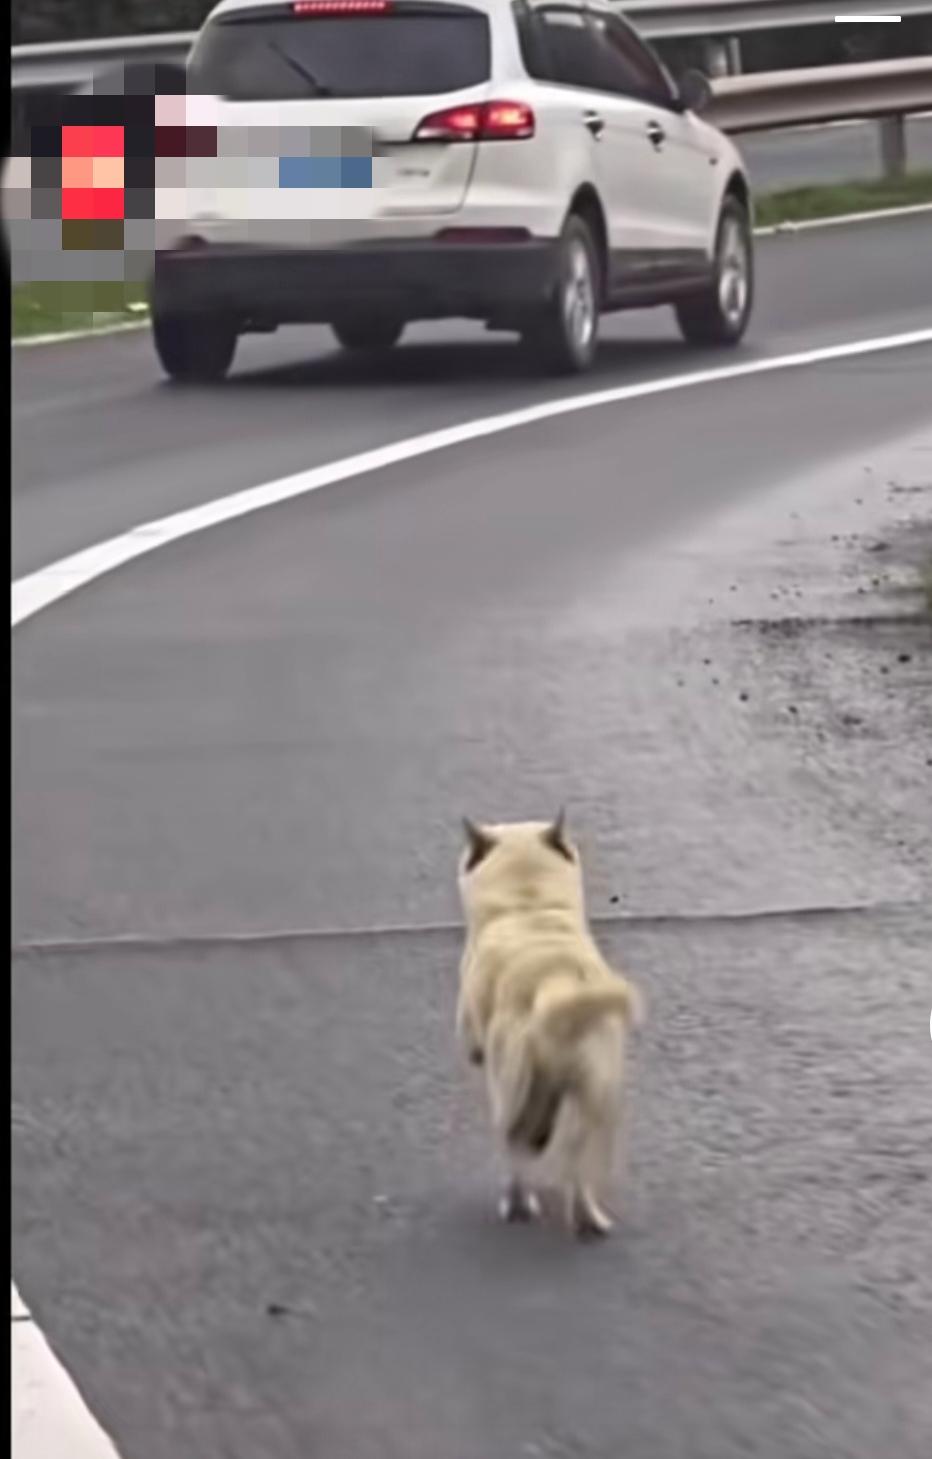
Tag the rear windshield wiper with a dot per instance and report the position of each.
(300, 68)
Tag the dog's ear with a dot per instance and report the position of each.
(555, 837)
(478, 844)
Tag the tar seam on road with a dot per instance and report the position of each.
(176, 942)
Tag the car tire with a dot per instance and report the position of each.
(194, 348)
(720, 314)
(368, 336)
(563, 337)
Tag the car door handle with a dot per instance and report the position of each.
(656, 134)
(594, 123)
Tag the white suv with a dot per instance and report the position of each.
(364, 163)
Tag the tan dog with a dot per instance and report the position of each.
(545, 1015)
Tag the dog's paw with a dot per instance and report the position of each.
(589, 1222)
(518, 1206)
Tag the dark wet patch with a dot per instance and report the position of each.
(796, 627)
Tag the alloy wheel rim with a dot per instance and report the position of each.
(733, 273)
(579, 296)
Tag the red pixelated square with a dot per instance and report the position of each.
(92, 141)
(92, 202)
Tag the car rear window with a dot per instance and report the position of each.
(412, 49)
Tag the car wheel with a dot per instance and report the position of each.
(563, 337)
(720, 314)
(194, 347)
(368, 335)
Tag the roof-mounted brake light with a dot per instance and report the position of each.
(309, 8)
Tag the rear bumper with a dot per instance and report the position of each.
(434, 280)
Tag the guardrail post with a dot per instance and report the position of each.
(723, 57)
(893, 146)
(715, 60)
(734, 55)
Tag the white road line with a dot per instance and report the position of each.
(39, 589)
(876, 215)
(100, 331)
(50, 1420)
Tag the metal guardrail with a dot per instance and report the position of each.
(670, 19)
(775, 99)
(61, 66)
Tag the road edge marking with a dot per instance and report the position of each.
(47, 585)
(125, 326)
(875, 215)
(48, 1414)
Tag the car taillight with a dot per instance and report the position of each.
(310, 8)
(482, 121)
(507, 119)
(181, 141)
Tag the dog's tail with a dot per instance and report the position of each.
(563, 1014)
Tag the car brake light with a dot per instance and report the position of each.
(482, 121)
(507, 119)
(308, 8)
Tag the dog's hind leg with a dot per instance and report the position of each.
(466, 1034)
(518, 1201)
(589, 1163)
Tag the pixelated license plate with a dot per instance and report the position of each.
(331, 158)
(324, 172)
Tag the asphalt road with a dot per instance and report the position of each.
(101, 442)
(252, 1186)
